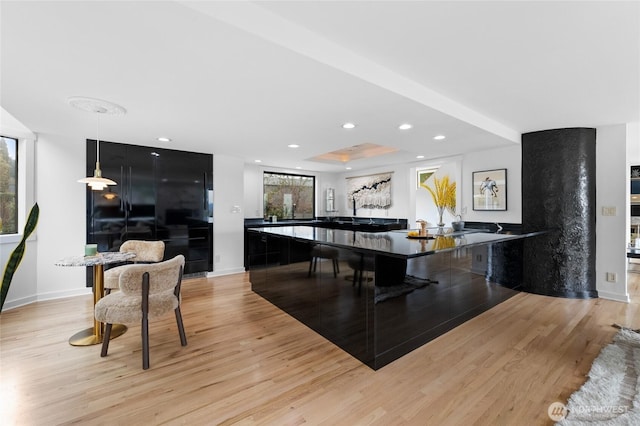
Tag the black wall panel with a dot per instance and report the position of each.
(162, 194)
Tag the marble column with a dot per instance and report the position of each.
(559, 193)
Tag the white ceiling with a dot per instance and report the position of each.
(247, 79)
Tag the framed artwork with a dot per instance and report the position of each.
(423, 175)
(490, 190)
(372, 191)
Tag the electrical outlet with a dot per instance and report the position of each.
(611, 277)
(608, 211)
(217, 258)
(478, 258)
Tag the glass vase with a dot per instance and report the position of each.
(440, 212)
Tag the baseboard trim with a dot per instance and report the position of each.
(16, 303)
(614, 296)
(225, 272)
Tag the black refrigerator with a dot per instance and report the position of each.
(161, 194)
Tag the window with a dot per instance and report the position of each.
(8, 185)
(289, 196)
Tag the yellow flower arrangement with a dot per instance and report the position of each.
(443, 194)
(442, 242)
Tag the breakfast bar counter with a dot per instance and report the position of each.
(376, 295)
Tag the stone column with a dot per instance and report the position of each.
(559, 193)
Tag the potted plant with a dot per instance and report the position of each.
(444, 196)
(16, 255)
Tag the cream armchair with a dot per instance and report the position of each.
(146, 252)
(147, 291)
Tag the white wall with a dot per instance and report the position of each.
(23, 287)
(60, 163)
(421, 205)
(323, 182)
(228, 215)
(612, 190)
(400, 188)
(408, 201)
(415, 203)
(253, 188)
(509, 158)
(253, 206)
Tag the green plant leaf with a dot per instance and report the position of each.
(16, 255)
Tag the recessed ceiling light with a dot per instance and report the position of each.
(298, 167)
(348, 168)
(258, 161)
(293, 145)
(163, 139)
(439, 137)
(405, 126)
(419, 156)
(348, 125)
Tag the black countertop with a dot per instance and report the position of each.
(393, 243)
(354, 224)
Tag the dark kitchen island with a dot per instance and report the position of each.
(377, 295)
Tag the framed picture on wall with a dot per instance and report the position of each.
(423, 175)
(490, 190)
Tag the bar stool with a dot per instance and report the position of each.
(359, 264)
(324, 252)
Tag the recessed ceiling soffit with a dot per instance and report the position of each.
(352, 153)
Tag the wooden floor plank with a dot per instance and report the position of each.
(248, 363)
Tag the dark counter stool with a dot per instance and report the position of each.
(324, 252)
(359, 264)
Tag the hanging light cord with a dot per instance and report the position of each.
(98, 112)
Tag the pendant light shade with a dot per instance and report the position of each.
(97, 182)
(98, 107)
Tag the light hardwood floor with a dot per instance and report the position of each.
(249, 363)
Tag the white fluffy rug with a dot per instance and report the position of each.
(611, 395)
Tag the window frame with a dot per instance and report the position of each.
(16, 183)
(313, 192)
(25, 156)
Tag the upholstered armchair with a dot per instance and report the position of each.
(146, 252)
(147, 291)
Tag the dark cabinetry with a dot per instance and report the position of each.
(387, 300)
(161, 194)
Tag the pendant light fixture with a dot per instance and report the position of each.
(98, 107)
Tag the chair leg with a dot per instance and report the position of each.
(335, 271)
(337, 265)
(310, 264)
(183, 336)
(145, 343)
(105, 339)
(145, 321)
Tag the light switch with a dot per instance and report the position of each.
(608, 211)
